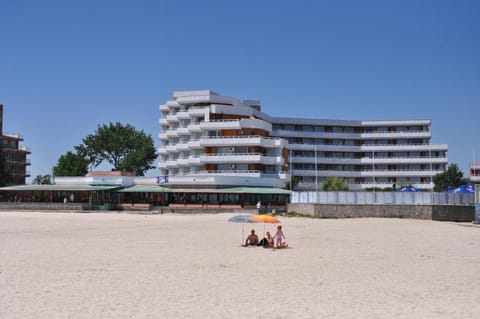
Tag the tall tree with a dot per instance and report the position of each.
(294, 180)
(334, 184)
(452, 177)
(71, 164)
(123, 147)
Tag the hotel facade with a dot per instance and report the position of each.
(14, 161)
(214, 141)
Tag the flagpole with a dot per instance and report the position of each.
(316, 170)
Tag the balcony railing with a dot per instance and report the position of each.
(366, 173)
(14, 135)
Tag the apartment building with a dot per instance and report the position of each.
(14, 160)
(214, 141)
(364, 153)
(210, 140)
(475, 172)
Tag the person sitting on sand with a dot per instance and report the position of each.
(252, 239)
(267, 241)
(279, 236)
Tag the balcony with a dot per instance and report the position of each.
(182, 147)
(194, 160)
(162, 165)
(323, 147)
(367, 147)
(163, 121)
(173, 104)
(396, 135)
(13, 135)
(171, 164)
(172, 118)
(241, 158)
(162, 136)
(197, 112)
(183, 131)
(171, 148)
(194, 144)
(255, 124)
(194, 127)
(230, 158)
(221, 125)
(369, 160)
(404, 147)
(366, 173)
(237, 124)
(240, 140)
(233, 178)
(404, 160)
(183, 115)
(182, 162)
(171, 133)
(164, 108)
(353, 136)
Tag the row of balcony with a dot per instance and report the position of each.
(353, 136)
(358, 186)
(18, 162)
(15, 149)
(25, 173)
(368, 147)
(13, 135)
(239, 124)
(369, 160)
(249, 173)
(225, 141)
(367, 173)
(247, 158)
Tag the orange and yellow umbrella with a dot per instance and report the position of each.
(265, 219)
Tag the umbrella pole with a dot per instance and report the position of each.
(243, 231)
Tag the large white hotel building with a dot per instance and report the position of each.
(214, 141)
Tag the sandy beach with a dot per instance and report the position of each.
(109, 265)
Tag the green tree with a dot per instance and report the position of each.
(452, 175)
(334, 184)
(71, 164)
(294, 180)
(42, 179)
(123, 147)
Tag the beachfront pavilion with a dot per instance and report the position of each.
(122, 196)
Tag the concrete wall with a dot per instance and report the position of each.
(459, 213)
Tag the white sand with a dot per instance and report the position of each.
(64, 265)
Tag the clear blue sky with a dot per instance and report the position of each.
(67, 66)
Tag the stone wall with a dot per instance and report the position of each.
(460, 213)
(456, 213)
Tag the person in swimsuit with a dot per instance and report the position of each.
(252, 239)
(279, 236)
(267, 241)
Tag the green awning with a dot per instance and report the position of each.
(144, 189)
(55, 187)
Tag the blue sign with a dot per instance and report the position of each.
(162, 179)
